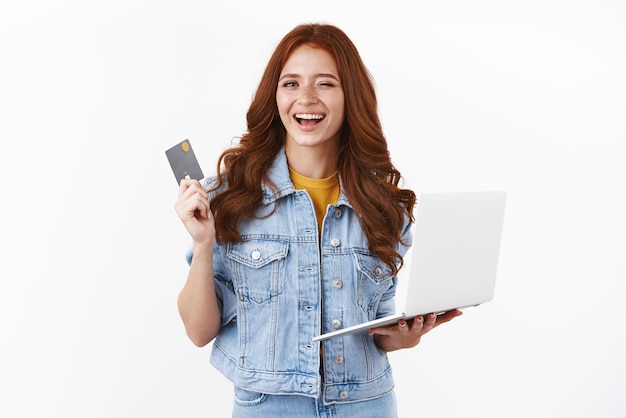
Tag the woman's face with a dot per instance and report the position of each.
(310, 99)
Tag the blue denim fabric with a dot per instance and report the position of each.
(286, 283)
(249, 404)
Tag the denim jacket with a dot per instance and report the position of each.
(286, 283)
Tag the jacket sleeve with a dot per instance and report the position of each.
(387, 304)
(224, 289)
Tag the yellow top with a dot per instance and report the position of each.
(323, 192)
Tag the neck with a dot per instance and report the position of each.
(312, 162)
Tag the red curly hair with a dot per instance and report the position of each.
(370, 181)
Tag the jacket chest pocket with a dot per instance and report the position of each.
(258, 268)
(375, 278)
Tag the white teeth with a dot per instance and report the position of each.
(309, 116)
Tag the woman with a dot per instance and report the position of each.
(302, 231)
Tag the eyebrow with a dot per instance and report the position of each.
(318, 75)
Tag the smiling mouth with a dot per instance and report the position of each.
(308, 119)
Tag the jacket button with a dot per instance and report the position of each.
(334, 242)
(335, 323)
(337, 213)
(339, 359)
(378, 271)
(337, 284)
(256, 254)
(343, 394)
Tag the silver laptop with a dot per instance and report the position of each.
(454, 258)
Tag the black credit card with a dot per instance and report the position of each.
(184, 162)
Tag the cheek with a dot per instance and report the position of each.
(336, 103)
(282, 103)
(338, 109)
(283, 110)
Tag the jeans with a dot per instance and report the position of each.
(249, 404)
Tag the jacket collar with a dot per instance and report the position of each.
(279, 175)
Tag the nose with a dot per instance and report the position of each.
(307, 95)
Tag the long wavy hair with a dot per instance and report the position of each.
(369, 179)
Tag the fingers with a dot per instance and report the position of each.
(189, 186)
(402, 328)
(409, 333)
(430, 320)
(389, 330)
(423, 323)
(194, 211)
(448, 316)
(193, 206)
(419, 325)
(433, 320)
(192, 200)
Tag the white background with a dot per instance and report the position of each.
(529, 97)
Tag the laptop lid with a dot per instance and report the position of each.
(456, 247)
(454, 257)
